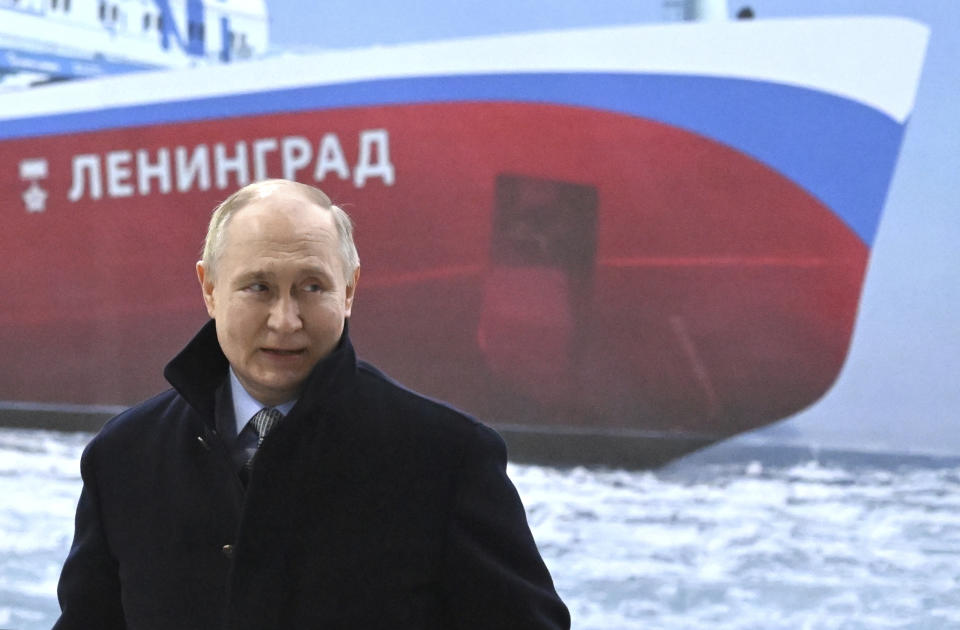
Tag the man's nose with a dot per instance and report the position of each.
(285, 314)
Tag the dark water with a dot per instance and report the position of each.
(729, 545)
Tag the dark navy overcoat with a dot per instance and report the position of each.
(368, 507)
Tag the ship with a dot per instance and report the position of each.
(615, 244)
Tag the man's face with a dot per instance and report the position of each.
(277, 293)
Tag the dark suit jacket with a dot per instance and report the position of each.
(369, 506)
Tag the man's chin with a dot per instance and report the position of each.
(274, 387)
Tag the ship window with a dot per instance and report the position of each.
(66, 5)
(160, 22)
(146, 21)
(53, 4)
(201, 31)
(114, 13)
(103, 11)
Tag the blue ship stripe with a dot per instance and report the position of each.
(840, 151)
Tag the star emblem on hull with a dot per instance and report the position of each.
(35, 198)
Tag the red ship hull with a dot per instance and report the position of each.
(708, 294)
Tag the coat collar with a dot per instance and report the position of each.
(201, 367)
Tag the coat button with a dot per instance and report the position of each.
(228, 551)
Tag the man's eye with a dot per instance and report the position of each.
(312, 287)
(256, 287)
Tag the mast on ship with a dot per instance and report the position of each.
(706, 10)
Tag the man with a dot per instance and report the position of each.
(349, 502)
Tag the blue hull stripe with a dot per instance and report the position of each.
(840, 151)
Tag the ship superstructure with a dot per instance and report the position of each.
(51, 40)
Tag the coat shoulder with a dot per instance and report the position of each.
(412, 411)
(143, 424)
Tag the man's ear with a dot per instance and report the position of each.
(351, 292)
(206, 286)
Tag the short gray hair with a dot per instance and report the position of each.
(213, 243)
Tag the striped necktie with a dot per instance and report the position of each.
(263, 422)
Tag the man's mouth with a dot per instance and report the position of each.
(283, 352)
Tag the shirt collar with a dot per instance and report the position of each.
(246, 406)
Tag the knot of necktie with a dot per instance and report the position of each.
(264, 421)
